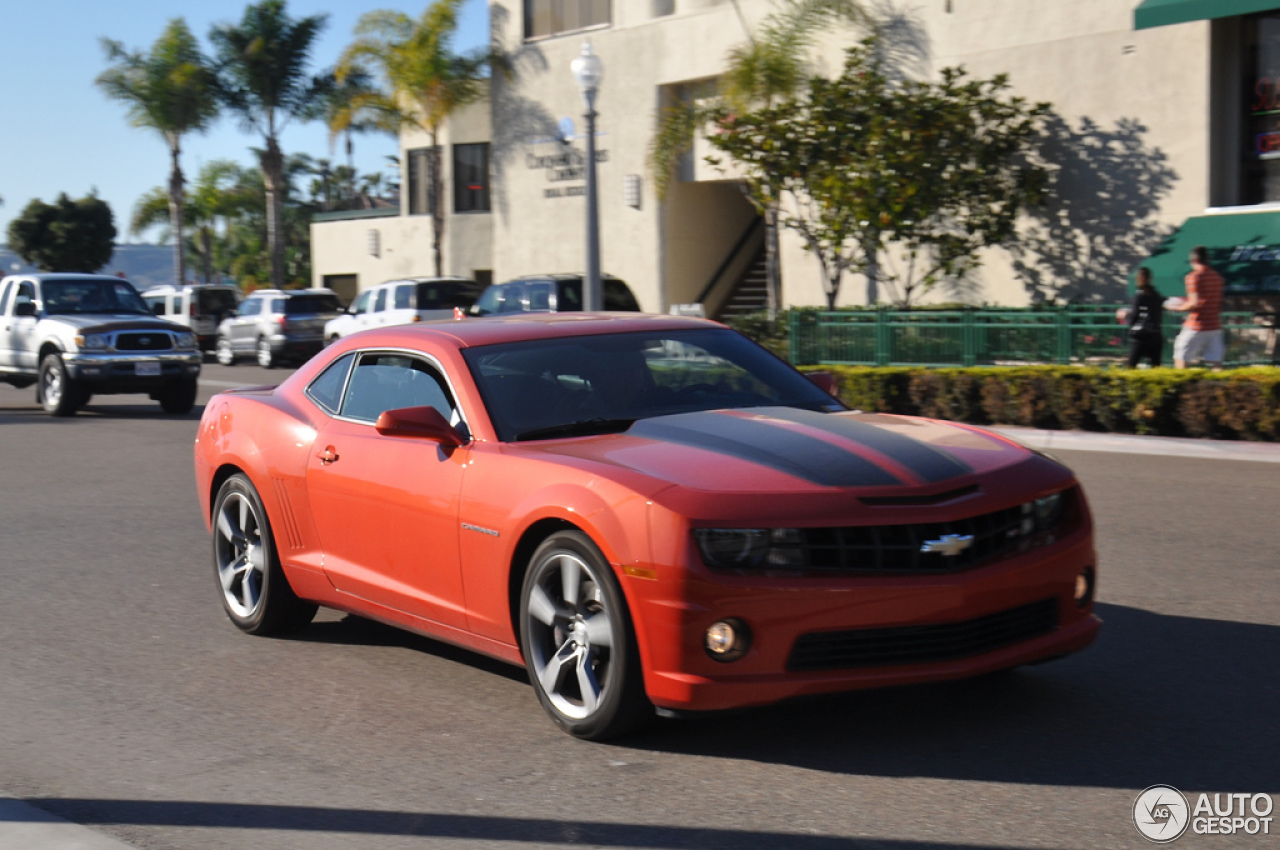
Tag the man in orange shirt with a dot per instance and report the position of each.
(1201, 334)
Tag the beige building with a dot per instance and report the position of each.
(1165, 109)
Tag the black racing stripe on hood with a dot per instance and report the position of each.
(760, 442)
(924, 460)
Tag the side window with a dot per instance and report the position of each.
(26, 293)
(384, 381)
(404, 296)
(277, 305)
(251, 307)
(381, 303)
(326, 390)
(155, 303)
(511, 298)
(540, 297)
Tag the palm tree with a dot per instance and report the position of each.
(772, 64)
(263, 62)
(425, 81)
(351, 107)
(173, 91)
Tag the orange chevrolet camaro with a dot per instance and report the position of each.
(642, 510)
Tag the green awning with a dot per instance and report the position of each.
(1243, 246)
(1158, 13)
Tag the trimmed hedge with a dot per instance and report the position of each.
(1237, 404)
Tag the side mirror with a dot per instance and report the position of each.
(824, 381)
(424, 423)
(24, 308)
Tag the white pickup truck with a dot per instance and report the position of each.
(74, 335)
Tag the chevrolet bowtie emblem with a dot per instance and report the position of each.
(949, 545)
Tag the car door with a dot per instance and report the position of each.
(244, 324)
(378, 315)
(385, 507)
(6, 325)
(19, 332)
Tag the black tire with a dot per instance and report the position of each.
(578, 642)
(224, 353)
(255, 592)
(266, 357)
(59, 395)
(180, 397)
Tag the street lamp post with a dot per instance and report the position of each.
(588, 70)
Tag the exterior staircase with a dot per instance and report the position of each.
(750, 294)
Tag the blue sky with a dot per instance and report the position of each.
(61, 134)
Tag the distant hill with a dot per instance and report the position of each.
(143, 265)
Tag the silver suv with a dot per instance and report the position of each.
(274, 325)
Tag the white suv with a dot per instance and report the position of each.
(401, 302)
(199, 306)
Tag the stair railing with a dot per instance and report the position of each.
(755, 225)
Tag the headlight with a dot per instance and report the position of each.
(1041, 514)
(745, 548)
(186, 340)
(93, 342)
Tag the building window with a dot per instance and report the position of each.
(422, 188)
(550, 17)
(471, 178)
(1260, 166)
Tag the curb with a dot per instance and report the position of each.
(23, 827)
(1130, 444)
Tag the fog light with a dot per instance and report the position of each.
(727, 640)
(1084, 588)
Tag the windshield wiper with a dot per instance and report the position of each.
(580, 428)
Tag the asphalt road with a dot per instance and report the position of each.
(130, 704)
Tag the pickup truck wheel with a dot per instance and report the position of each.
(224, 354)
(59, 395)
(179, 398)
(255, 592)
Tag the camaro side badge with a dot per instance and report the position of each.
(489, 531)
(948, 545)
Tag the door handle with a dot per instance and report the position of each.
(328, 455)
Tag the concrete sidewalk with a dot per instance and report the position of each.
(24, 827)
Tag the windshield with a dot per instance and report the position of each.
(600, 384)
(298, 305)
(88, 295)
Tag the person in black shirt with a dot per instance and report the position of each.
(1145, 320)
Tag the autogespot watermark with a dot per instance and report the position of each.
(1162, 814)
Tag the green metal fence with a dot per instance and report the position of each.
(995, 337)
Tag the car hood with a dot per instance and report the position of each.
(102, 322)
(789, 450)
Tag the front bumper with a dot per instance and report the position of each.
(937, 608)
(125, 373)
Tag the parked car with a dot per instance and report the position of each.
(199, 306)
(644, 511)
(74, 335)
(400, 302)
(550, 293)
(274, 325)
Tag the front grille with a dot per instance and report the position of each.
(148, 341)
(896, 548)
(922, 644)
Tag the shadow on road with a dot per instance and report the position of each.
(1158, 699)
(430, 825)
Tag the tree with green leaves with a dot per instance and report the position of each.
(65, 236)
(423, 81)
(351, 106)
(263, 67)
(172, 90)
(870, 170)
(772, 65)
(222, 191)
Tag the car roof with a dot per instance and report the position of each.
(521, 327)
(555, 276)
(444, 278)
